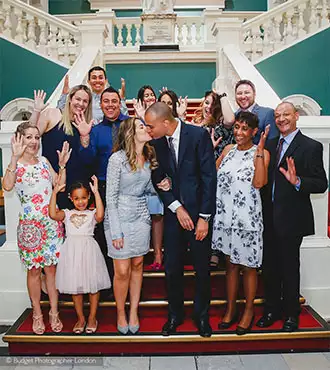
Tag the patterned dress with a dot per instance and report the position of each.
(39, 238)
(127, 215)
(238, 224)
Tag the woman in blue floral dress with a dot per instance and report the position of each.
(238, 224)
(38, 237)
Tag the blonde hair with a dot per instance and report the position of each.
(126, 142)
(66, 116)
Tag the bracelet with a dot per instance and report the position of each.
(10, 170)
(61, 167)
(259, 156)
(222, 95)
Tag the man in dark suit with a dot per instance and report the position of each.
(185, 155)
(295, 171)
(245, 95)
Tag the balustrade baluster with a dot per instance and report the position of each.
(52, 49)
(129, 35)
(66, 51)
(138, 37)
(31, 31)
(266, 42)
(255, 38)
(199, 28)
(301, 23)
(277, 33)
(288, 35)
(314, 23)
(180, 35)
(247, 42)
(120, 35)
(42, 36)
(189, 33)
(324, 13)
(20, 35)
(7, 26)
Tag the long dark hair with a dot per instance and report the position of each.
(174, 99)
(142, 90)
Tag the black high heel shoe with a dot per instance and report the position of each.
(241, 331)
(228, 324)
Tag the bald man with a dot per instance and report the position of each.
(185, 155)
(295, 171)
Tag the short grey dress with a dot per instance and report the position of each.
(127, 215)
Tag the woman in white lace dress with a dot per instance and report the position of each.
(238, 224)
(127, 221)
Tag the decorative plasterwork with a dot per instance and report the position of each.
(17, 110)
(305, 105)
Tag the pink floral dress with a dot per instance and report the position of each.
(39, 237)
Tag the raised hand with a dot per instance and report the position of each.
(17, 147)
(163, 89)
(290, 174)
(263, 139)
(139, 109)
(39, 100)
(122, 90)
(214, 141)
(165, 184)
(95, 186)
(64, 154)
(81, 125)
(181, 106)
(66, 87)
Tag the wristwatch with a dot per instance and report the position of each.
(205, 218)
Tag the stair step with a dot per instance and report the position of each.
(157, 302)
(313, 334)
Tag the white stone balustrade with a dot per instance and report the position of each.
(282, 26)
(128, 32)
(189, 31)
(39, 31)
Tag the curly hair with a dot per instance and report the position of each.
(22, 127)
(126, 142)
(216, 111)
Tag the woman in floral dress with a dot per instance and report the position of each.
(38, 237)
(238, 224)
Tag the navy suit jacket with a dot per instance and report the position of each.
(194, 180)
(266, 117)
(291, 212)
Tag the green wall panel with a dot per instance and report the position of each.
(69, 6)
(191, 79)
(23, 71)
(246, 5)
(306, 71)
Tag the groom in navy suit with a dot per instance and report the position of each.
(185, 155)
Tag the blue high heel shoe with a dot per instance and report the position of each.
(122, 329)
(133, 328)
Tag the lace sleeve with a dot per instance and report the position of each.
(112, 194)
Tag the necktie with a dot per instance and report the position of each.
(279, 151)
(172, 151)
(114, 133)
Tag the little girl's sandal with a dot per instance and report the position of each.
(38, 325)
(55, 322)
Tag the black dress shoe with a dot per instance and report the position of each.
(170, 327)
(241, 331)
(291, 323)
(228, 324)
(267, 320)
(204, 328)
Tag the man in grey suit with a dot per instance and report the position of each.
(245, 94)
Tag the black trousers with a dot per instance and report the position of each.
(100, 236)
(281, 273)
(176, 241)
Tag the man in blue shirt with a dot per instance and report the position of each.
(96, 148)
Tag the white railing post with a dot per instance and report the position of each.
(209, 16)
